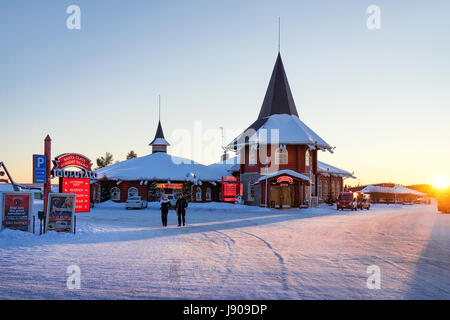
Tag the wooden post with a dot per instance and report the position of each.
(48, 181)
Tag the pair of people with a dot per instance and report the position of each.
(180, 208)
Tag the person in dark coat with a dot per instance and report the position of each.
(181, 206)
(165, 205)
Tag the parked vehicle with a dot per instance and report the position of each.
(363, 201)
(135, 202)
(347, 200)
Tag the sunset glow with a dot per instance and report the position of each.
(441, 182)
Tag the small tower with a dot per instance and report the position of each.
(159, 143)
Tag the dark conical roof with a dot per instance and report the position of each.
(278, 111)
(278, 98)
(159, 136)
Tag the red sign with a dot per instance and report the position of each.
(82, 188)
(285, 179)
(16, 211)
(229, 188)
(72, 160)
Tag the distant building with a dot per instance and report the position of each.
(390, 193)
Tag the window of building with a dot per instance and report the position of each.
(307, 159)
(115, 193)
(208, 194)
(198, 194)
(281, 155)
(251, 190)
(132, 192)
(253, 154)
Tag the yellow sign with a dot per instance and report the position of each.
(169, 186)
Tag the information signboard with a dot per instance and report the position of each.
(82, 188)
(16, 210)
(60, 212)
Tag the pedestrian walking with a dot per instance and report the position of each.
(181, 206)
(165, 205)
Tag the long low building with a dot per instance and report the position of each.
(152, 175)
(390, 193)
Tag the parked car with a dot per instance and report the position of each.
(135, 203)
(172, 198)
(363, 201)
(347, 200)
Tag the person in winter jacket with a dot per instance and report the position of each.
(165, 205)
(181, 206)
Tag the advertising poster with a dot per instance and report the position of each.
(60, 212)
(82, 188)
(16, 210)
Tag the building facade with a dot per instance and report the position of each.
(280, 146)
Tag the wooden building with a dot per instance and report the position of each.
(159, 173)
(282, 151)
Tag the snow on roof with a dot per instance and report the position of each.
(281, 172)
(158, 166)
(6, 187)
(396, 189)
(226, 167)
(322, 167)
(282, 129)
(160, 141)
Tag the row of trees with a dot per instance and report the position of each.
(108, 159)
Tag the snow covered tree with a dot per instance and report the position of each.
(104, 189)
(154, 193)
(104, 161)
(131, 155)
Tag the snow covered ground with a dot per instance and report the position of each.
(234, 252)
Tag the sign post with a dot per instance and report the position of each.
(77, 182)
(48, 180)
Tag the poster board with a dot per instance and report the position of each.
(17, 208)
(60, 212)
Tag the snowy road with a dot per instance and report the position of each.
(238, 253)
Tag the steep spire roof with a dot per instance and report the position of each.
(278, 111)
(278, 98)
(159, 137)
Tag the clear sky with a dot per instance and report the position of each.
(381, 97)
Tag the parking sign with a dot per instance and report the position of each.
(39, 168)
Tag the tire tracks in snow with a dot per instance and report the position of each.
(229, 243)
(283, 269)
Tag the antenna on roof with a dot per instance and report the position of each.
(279, 34)
(159, 104)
